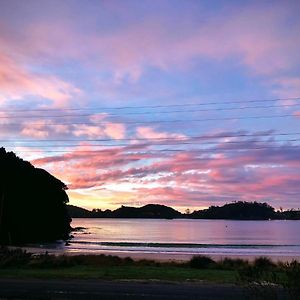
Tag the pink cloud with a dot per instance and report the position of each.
(84, 169)
(256, 35)
(286, 87)
(88, 130)
(188, 179)
(259, 39)
(151, 133)
(16, 83)
(115, 130)
(52, 128)
(111, 130)
(35, 131)
(41, 129)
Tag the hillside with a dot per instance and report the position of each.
(232, 211)
(237, 211)
(148, 211)
(32, 203)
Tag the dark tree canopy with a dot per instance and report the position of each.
(32, 203)
(231, 211)
(149, 211)
(238, 210)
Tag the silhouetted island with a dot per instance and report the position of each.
(150, 211)
(233, 211)
(32, 203)
(238, 211)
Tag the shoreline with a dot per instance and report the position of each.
(160, 257)
(20, 265)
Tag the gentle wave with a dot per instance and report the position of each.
(178, 245)
(162, 239)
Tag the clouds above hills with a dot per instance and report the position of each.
(132, 76)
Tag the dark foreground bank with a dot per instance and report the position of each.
(25, 276)
(99, 289)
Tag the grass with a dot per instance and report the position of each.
(18, 263)
(166, 273)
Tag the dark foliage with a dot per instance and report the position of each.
(263, 263)
(201, 262)
(234, 211)
(78, 212)
(32, 203)
(14, 257)
(262, 279)
(150, 211)
(288, 215)
(292, 284)
(147, 211)
(233, 264)
(238, 211)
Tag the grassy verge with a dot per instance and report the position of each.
(168, 273)
(20, 264)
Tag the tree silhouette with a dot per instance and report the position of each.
(32, 203)
(240, 210)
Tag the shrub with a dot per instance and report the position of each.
(292, 283)
(13, 257)
(233, 264)
(51, 261)
(259, 283)
(201, 262)
(263, 263)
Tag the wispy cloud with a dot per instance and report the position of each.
(16, 83)
(151, 53)
(191, 178)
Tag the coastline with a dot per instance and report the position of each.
(160, 257)
(18, 265)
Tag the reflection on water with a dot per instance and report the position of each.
(221, 237)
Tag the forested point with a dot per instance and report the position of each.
(240, 210)
(32, 203)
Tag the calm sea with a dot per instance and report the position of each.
(183, 238)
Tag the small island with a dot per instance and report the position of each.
(233, 211)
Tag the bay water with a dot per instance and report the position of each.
(183, 238)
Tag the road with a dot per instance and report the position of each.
(99, 289)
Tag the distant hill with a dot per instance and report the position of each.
(232, 211)
(237, 211)
(78, 212)
(32, 203)
(148, 211)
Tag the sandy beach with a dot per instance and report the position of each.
(157, 256)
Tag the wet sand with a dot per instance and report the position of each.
(158, 256)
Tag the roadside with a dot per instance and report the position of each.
(99, 289)
(261, 278)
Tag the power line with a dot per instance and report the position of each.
(219, 136)
(170, 150)
(178, 143)
(158, 121)
(202, 158)
(149, 112)
(158, 106)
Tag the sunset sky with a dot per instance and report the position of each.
(182, 103)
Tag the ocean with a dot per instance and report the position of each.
(182, 238)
